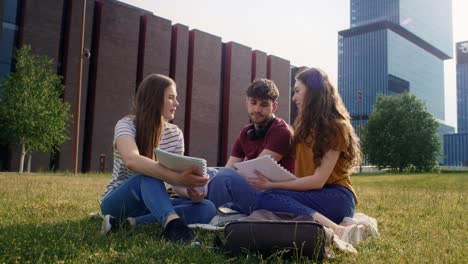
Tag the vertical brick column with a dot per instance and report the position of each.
(113, 78)
(293, 108)
(178, 70)
(71, 64)
(155, 46)
(278, 70)
(203, 96)
(259, 64)
(237, 78)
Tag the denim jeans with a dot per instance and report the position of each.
(333, 201)
(146, 199)
(228, 188)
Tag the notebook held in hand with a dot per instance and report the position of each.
(180, 163)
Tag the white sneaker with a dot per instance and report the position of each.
(369, 222)
(106, 225)
(354, 234)
(110, 223)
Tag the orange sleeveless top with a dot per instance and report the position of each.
(341, 173)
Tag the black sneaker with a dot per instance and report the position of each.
(110, 223)
(177, 231)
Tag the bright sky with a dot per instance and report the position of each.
(303, 31)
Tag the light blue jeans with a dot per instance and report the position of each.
(333, 201)
(146, 199)
(229, 188)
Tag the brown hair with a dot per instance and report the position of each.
(324, 118)
(147, 108)
(263, 89)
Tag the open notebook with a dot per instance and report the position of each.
(267, 166)
(180, 163)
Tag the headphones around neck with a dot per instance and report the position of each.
(260, 132)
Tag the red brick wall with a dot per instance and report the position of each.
(204, 91)
(236, 80)
(178, 72)
(71, 68)
(259, 64)
(156, 50)
(127, 44)
(278, 70)
(115, 78)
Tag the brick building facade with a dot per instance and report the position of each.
(126, 44)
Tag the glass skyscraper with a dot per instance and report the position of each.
(462, 87)
(456, 145)
(8, 35)
(394, 46)
(8, 38)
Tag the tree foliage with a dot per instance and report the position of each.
(401, 134)
(32, 113)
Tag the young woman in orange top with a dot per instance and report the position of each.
(326, 148)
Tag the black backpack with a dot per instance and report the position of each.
(285, 234)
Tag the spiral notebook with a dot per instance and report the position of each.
(267, 166)
(180, 163)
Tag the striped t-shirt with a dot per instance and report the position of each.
(172, 140)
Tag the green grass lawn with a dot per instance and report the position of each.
(44, 218)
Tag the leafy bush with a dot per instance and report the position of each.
(401, 135)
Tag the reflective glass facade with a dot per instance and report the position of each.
(456, 149)
(442, 131)
(362, 62)
(462, 97)
(456, 145)
(429, 20)
(417, 16)
(395, 46)
(462, 86)
(382, 53)
(369, 11)
(423, 71)
(8, 36)
(382, 62)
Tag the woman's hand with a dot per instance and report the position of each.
(190, 179)
(261, 182)
(196, 196)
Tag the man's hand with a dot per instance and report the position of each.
(196, 196)
(261, 182)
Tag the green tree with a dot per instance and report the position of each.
(32, 113)
(401, 134)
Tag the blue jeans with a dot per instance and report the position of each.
(229, 188)
(146, 199)
(333, 201)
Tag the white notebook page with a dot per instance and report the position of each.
(267, 166)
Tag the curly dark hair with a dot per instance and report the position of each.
(263, 89)
(323, 118)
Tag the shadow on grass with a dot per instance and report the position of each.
(80, 241)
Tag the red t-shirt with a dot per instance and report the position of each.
(277, 139)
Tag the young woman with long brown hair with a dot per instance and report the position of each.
(326, 148)
(137, 193)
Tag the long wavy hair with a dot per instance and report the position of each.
(323, 118)
(147, 108)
